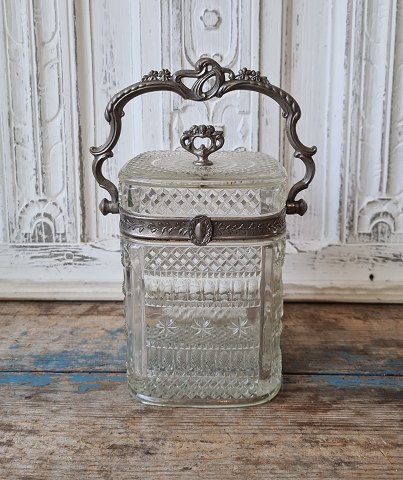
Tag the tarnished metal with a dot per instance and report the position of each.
(202, 153)
(201, 230)
(218, 81)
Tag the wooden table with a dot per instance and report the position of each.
(66, 411)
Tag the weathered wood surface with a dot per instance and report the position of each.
(66, 337)
(87, 426)
(65, 411)
(330, 338)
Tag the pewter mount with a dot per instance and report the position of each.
(224, 81)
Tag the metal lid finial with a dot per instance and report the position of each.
(202, 153)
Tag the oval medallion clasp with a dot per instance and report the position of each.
(200, 230)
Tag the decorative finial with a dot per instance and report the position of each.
(202, 153)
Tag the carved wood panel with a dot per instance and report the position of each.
(313, 71)
(107, 63)
(395, 166)
(62, 61)
(374, 200)
(40, 168)
(225, 32)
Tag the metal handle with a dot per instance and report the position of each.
(212, 80)
(202, 153)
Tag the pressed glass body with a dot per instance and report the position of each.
(203, 322)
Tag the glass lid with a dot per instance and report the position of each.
(228, 169)
(175, 184)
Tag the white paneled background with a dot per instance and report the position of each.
(62, 60)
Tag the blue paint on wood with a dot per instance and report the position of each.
(89, 386)
(84, 377)
(351, 381)
(55, 361)
(67, 360)
(116, 332)
(94, 377)
(386, 366)
(85, 381)
(114, 355)
(89, 381)
(33, 379)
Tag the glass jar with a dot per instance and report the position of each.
(202, 250)
(203, 321)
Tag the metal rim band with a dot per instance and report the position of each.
(201, 230)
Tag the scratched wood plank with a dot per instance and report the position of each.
(58, 425)
(76, 425)
(338, 338)
(52, 336)
(85, 336)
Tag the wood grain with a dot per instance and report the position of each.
(66, 337)
(342, 338)
(65, 410)
(335, 338)
(86, 425)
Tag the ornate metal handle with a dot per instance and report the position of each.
(202, 153)
(218, 81)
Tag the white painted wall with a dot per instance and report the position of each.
(61, 61)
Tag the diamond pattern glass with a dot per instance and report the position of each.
(203, 322)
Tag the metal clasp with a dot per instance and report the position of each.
(200, 230)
